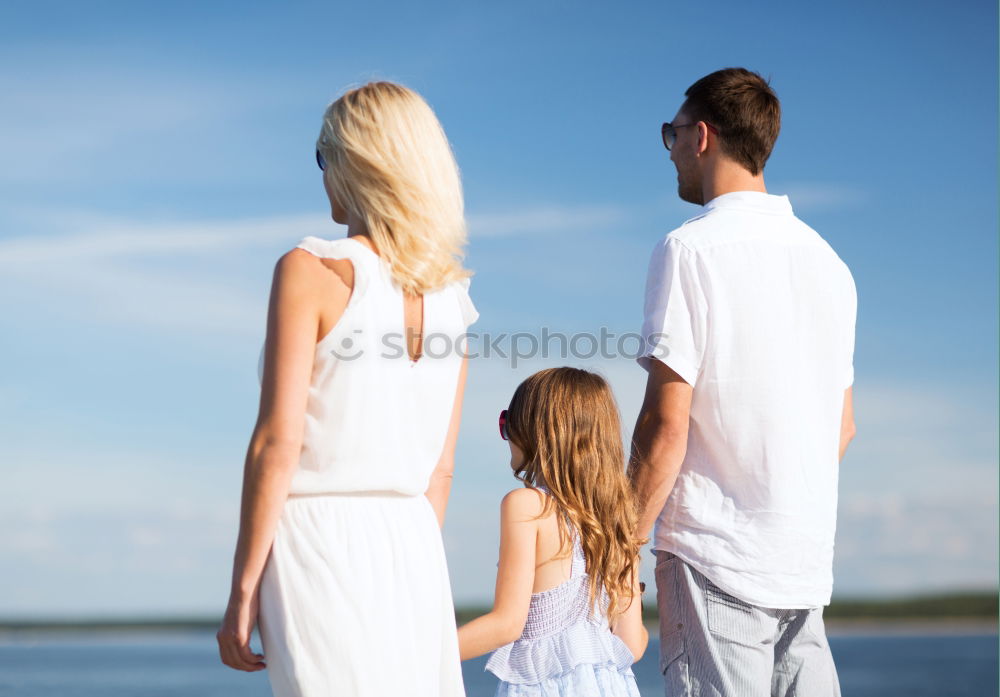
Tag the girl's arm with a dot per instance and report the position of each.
(515, 577)
(440, 483)
(629, 627)
(273, 453)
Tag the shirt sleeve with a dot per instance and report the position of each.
(675, 312)
(847, 365)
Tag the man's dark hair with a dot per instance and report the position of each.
(744, 109)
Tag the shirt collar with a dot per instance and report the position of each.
(751, 200)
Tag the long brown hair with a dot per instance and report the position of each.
(566, 422)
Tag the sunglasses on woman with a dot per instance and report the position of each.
(320, 161)
(503, 425)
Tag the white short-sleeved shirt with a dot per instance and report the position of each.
(757, 312)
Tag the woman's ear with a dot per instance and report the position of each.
(337, 211)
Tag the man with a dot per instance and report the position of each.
(749, 320)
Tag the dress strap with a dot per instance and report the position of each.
(340, 248)
(579, 560)
(362, 258)
(368, 264)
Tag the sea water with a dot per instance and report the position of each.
(186, 664)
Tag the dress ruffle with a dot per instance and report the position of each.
(469, 312)
(583, 681)
(586, 643)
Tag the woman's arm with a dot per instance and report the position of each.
(847, 428)
(440, 484)
(273, 453)
(629, 627)
(515, 577)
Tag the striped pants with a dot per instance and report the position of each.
(713, 644)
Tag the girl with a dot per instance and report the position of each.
(567, 614)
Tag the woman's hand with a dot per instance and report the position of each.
(234, 635)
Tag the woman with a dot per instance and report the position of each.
(349, 467)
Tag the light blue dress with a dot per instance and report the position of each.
(565, 649)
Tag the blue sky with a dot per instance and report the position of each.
(156, 161)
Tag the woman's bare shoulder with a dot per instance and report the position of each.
(305, 285)
(311, 268)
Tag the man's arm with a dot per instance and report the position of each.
(659, 442)
(847, 428)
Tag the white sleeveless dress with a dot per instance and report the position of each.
(355, 598)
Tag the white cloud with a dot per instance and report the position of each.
(57, 123)
(168, 523)
(86, 237)
(108, 268)
(912, 516)
(116, 563)
(890, 543)
(814, 196)
(930, 440)
(544, 220)
(910, 486)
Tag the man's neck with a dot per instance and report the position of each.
(729, 178)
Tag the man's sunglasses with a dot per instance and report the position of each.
(668, 131)
(320, 161)
(503, 425)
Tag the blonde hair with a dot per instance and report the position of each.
(389, 163)
(566, 422)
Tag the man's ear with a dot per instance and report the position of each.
(702, 137)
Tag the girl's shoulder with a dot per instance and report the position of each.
(523, 503)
